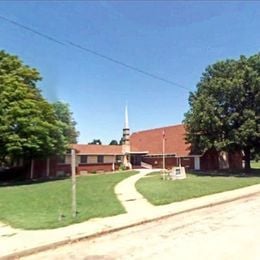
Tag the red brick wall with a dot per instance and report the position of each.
(235, 160)
(39, 168)
(157, 162)
(187, 162)
(66, 168)
(96, 167)
(53, 166)
(209, 161)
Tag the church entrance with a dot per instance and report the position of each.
(136, 159)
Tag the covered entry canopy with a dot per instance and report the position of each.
(136, 158)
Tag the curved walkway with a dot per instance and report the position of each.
(131, 199)
(15, 243)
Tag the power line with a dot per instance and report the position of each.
(127, 65)
(98, 54)
(31, 30)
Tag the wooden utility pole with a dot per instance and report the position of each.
(163, 153)
(73, 182)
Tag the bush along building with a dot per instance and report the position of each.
(143, 149)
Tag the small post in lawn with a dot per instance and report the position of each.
(73, 182)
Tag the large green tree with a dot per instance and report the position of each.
(66, 121)
(225, 109)
(28, 125)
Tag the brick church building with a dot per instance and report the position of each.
(153, 148)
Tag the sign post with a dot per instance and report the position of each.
(73, 182)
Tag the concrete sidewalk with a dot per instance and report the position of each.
(16, 242)
(132, 200)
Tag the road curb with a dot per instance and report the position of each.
(53, 245)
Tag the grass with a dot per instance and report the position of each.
(160, 192)
(255, 164)
(48, 205)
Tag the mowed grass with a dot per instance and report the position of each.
(48, 205)
(255, 164)
(160, 192)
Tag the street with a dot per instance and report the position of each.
(228, 231)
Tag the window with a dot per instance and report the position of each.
(84, 159)
(100, 159)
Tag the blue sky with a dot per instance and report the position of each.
(174, 40)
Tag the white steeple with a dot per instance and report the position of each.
(126, 142)
(126, 130)
(126, 126)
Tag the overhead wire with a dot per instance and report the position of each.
(93, 52)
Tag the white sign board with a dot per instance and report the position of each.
(177, 173)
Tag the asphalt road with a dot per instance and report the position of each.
(228, 231)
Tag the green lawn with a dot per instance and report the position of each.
(48, 205)
(160, 192)
(255, 165)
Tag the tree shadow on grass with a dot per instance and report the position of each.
(19, 182)
(228, 173)
(16, 176)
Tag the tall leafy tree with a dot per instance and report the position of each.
(225, 109)
(28, 124)
(66, 121)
